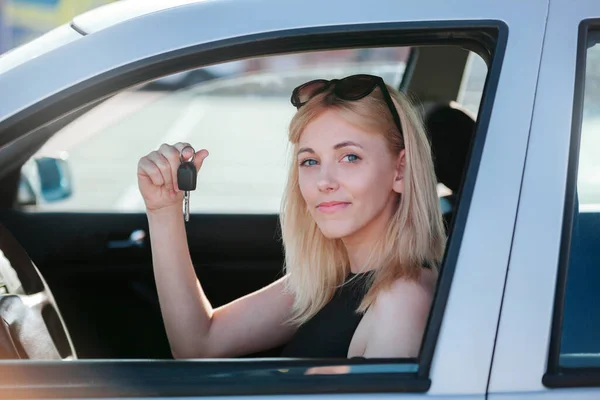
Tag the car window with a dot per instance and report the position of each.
(588, 182)
(580, 344)
(239, 111)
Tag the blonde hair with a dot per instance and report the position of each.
(315, 265)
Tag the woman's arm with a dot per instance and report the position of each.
(195, 330)
(250, 324)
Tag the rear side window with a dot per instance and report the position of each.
(588, 177)
(579, 339)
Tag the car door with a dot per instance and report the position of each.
(548, 340)
(457, 348)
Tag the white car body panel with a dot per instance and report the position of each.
(525, 325)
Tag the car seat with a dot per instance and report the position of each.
(450, 128)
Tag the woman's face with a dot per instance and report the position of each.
(348, 177)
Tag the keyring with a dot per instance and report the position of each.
(193, 154)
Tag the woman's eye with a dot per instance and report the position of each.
(308, 162)
(351, 158)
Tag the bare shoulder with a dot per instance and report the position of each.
(406, 294)
(399, 316)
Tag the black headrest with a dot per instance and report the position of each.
(450, 130)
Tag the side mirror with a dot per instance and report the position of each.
(56, 182)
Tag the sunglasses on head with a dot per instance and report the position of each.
(351, 88)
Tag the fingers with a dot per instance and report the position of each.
(171, 154)
(200, 157)
(164, 166)
(151, 170)
(188, 152)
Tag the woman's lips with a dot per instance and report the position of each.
(332, 206)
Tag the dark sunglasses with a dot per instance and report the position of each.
(354, 87)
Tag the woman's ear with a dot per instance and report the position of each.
(398, 185)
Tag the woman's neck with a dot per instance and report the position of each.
(357, 255)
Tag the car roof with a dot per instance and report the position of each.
(123, 10)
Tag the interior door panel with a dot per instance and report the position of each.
(104, 284)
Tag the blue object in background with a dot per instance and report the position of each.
(41, 2)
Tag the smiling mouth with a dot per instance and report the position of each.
(332, 206)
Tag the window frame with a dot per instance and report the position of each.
(557, 376)
(253, 376)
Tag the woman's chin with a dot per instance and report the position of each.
(334, 230)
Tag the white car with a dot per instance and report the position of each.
(510, 93)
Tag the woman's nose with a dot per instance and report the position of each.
(327, 181)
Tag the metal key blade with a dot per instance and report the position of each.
(186, 206)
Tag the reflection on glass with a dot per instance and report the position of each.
(588, 182)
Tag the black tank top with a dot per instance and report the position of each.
(329, 332)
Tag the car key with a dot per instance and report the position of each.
(186, 180)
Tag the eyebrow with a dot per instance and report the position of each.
(338, 146)
(347, 143)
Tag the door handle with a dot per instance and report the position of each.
(136, 239)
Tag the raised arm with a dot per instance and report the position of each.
(249, 324)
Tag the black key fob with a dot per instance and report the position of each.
(187, 176)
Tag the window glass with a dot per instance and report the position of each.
(588, 178)
(239, 111)
(580, 341)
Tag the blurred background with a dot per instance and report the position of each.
(24, 20)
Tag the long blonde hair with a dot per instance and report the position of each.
(315, 265)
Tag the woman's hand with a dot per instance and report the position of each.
(157, 175)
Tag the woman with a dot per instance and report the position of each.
(361, 226)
